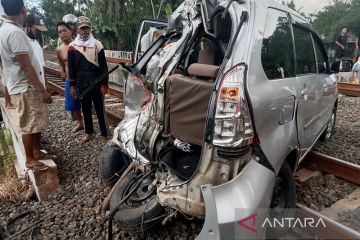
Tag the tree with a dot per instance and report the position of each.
(339, 13)
(54, 10)
(116, 22)
(291, 4)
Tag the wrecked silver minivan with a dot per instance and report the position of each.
(219, 111)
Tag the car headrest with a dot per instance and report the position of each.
(203, 70)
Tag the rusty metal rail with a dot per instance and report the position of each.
(339, 168)
(351, 90)
(350, 172)
(56, 84)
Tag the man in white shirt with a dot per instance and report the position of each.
(24, 81)
(8, 103)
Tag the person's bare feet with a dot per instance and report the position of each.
(77, 129)
(103, 140)
(85, 139)
(36, 166)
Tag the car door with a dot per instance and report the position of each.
(326, 85)
(148, 33)
(308, 100)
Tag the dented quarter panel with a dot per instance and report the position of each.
(251, 190)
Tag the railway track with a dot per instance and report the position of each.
(348, 89)
(113, 99)
(341, 169)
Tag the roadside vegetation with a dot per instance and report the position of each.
(10, 187)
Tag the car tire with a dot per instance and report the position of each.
(135, 217)
(283, 202)
(330, 127)
(112, 163)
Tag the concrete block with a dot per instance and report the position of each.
(45, 182)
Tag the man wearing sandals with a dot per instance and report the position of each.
(25, 81)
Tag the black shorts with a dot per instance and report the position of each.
(340, 53)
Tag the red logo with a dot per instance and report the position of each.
(250, 228)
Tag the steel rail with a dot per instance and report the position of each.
(332, 229)
(339, 168)
(348, 89)
(350, 172)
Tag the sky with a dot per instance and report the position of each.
(29, 3)
(311, 6)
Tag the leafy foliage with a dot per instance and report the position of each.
(115, 22)
(340, 13)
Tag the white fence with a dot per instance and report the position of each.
(118, 54)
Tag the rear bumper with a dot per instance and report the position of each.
(251, 190)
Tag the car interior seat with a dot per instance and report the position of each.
(187, 100)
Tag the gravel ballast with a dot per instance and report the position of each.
(81, 191)
(345, 143)
(323, 191)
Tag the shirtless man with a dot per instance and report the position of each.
(71, 104)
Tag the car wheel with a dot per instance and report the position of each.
(112, 163)
(329, 128)
(283, 202)
(141, 211)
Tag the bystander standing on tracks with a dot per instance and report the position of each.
(87, 63)
(340, 43)
(24, 81)
(70, 20)
(72, 105)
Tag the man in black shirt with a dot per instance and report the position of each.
(87, 62)
(341, 44)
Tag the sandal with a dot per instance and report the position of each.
(38, 167)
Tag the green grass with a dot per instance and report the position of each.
(7, 155)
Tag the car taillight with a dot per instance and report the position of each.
(233, 126)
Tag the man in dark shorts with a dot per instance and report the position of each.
(341, 42)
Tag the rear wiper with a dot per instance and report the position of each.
(228, 6)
